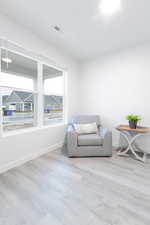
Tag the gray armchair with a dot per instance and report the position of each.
(89, 144)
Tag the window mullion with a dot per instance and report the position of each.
(40, 95)
(1, 113)
(65, 99)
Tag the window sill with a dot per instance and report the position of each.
(32, 129)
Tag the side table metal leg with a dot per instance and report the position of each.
(133, 145)
(130, 135)
(137, 156)
(144, 157)
(123, 152)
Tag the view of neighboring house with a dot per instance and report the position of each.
(20, 101)
(53, 103)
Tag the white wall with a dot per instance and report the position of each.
(117, 84)
(112, 86)
(18, 147)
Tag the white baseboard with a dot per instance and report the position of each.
(35, 155)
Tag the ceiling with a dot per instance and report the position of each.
(85, 32)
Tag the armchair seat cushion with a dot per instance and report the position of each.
(90, 140)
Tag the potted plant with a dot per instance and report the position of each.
(133, 119)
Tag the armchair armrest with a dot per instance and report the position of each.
(71, 140)
(103, 131)
(107, 142)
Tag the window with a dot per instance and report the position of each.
(18, 83)
(53, 83)
(31, 93)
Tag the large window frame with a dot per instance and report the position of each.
(41, 61)
(63, 95)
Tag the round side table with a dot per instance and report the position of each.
(130, 136)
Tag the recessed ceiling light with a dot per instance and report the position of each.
(7, 60)
(57, 28)
(109, 7)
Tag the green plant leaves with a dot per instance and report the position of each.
(133, 117)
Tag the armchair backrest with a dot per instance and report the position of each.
(87, 119)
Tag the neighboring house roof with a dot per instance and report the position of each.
(14, 98)
(52, 100)
(58, 99)
(22, 97)
(17, 97)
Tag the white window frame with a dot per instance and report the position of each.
(39, 92)
(64, 95)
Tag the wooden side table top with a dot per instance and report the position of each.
(137, 130)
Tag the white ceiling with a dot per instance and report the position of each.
(85, 32)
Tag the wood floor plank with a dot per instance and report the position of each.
(56, 190)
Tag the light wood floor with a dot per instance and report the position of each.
(55, 190)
